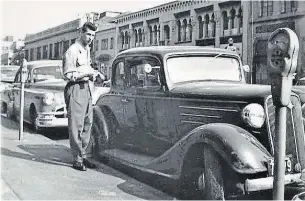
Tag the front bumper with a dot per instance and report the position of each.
(48, 120)
(252, 185)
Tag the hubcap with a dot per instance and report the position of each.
(201, 182)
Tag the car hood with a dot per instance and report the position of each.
(224, 90)
(57, 85)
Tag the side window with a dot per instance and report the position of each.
(143, 72)
(119, 79)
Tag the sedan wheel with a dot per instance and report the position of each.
(34, 116)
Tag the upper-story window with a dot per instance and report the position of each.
(50, 51)
(44, 52)
(111, 43)
(96, 45)
(283, 6)
(104, 44)
(261, 8)
(225, 20)
(31, 54)
(38, 53)
(269, 7)
(293, 5)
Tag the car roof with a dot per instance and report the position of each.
(42, 63)
(13, 67)
(163, 50)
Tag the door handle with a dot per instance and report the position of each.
(124, 100)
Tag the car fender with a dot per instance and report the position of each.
(237, 147)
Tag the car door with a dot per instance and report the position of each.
(16, 92)
(151, 106)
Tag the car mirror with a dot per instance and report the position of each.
(246, 68)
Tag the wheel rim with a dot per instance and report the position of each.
(201, 182)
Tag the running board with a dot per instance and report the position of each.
(133, 160)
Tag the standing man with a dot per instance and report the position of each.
(78, 94)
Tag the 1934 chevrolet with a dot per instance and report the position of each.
(187, 114)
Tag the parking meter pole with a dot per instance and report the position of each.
(279, 154)
(283, 49)
(23, 74)
(21, 111)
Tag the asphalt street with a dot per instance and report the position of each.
(39, 167)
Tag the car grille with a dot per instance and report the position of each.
(294, 135)
(64, 115)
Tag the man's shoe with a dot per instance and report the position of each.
(79, 166)
(89, 164)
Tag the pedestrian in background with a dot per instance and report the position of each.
(78, 94)
(232, 47)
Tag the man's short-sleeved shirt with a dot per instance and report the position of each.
(76, 58)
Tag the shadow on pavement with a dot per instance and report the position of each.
(60, 155)
(52, 133)
(13, 125)
(50, 154)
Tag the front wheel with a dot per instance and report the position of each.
(102, 129)
(34, 116)
(204, 182)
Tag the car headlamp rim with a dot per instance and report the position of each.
(48, 98)
(254, 115)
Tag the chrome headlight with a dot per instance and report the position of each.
(48, 98)
(254, 115)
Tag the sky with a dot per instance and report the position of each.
(22, 17)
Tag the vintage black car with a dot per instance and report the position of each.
(187, 114)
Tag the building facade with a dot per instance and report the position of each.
(200, 23)
(10, 49)
(104, 43)
(267, 16)
(54, 42)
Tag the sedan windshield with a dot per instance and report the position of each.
(203, 68)
(47, 73)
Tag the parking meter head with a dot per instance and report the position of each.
(283, 48)
(282, 53)
(24, 70)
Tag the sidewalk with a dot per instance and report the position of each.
(40, 168)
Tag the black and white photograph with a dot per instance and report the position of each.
(152, 100)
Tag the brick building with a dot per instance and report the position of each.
(267, 17)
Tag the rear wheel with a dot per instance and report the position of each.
(102, 129)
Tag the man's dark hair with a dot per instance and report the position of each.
(88, 25)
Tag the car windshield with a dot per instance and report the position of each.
(8, 74)
(47, 73)
(203, 68)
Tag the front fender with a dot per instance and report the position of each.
(241, 151)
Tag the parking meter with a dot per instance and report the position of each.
(24, 71)
(23, 76)
(283, 49)
(282, 55)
